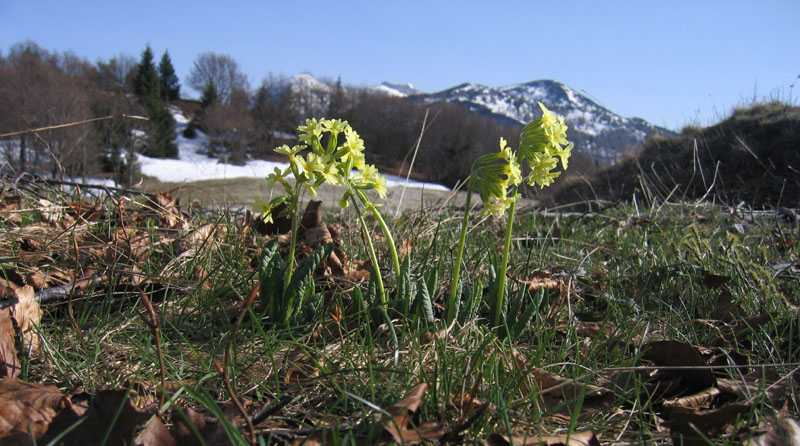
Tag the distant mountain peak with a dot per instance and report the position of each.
(398, 90)
(305, 81)
(597, 131)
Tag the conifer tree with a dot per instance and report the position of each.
(147, 88)
(336, 102)
(210, 95)
(170, 85)
(146, 85)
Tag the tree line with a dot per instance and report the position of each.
(39, 88)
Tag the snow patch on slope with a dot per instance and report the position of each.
(192, 164)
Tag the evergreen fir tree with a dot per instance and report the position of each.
(147, 87)
(336, 101)
(210, 95)
(170, 85)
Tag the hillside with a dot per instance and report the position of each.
(753, 156)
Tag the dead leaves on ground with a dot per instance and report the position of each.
(34, 414)
(18, 325)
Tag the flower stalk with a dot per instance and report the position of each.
(497, 176)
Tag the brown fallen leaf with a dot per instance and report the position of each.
(555, 391)
(585, 438)
(202, 235)
(694, 377)
(8, 209)
(27, 315)
(684, 423)
(211, 432)
(315, 233)
(111, 415)
(713, 280)
(540, 279)
(9, 362)
(168, 209)
(768, 381)
(27, 409)
(778, 432)
(156, 434)
(397, 423)
(698, 400)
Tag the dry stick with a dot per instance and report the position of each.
(411, 166)
(224, 369)
(153, 324)
(61, 126)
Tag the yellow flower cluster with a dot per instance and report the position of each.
(493, 175)
(320, 159)
(542, 143)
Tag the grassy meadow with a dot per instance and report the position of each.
(642, 326)
(666, 312)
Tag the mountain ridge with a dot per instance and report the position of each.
(606, 136)
(596, 131)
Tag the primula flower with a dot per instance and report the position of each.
(541, 143)
(279, 176)
(493, 175)
(329, 170)
(265, 210)
(335, 126)
(289, 151)
(312, 129)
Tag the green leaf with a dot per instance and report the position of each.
(524, 320)
(302, 279)
(271, 272)
(372, 287)
(403, 298)
(423, 301)
(472, 304)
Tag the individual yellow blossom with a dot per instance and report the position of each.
(334, 126)
(563, 154)
(310, 131)
(380, 186)
(310, 166)
(279, 176)
(289, 151)
(329, 170)
(352, 141)
(265, 210)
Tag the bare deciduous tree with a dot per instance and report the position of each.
(39, 89)
(221, 69)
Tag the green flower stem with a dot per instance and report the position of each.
(370, 248)
(374, 259)
(501, 275)
(293, 243)
(451, 302)
(385, 228)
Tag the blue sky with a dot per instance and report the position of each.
(669, 62)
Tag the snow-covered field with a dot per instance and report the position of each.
(193, 165)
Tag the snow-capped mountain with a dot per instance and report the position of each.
(400, 90)
(594, 129)
(312, 96)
